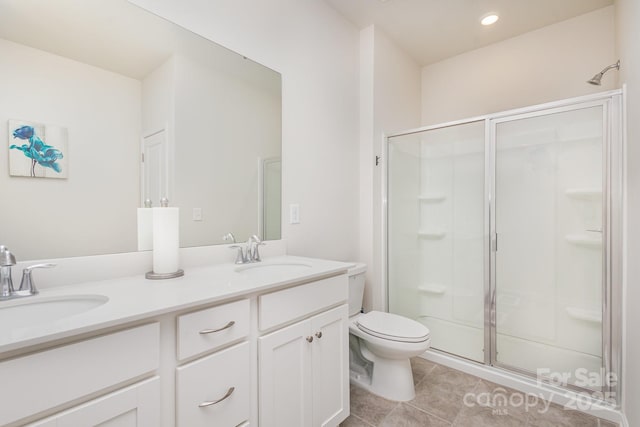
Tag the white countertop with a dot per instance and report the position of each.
(135, 298)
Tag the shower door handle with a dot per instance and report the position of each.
(594, 231)
(494, 242)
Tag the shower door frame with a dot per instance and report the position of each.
(612, 227)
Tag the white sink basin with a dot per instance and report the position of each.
(259, 269)
(31, 311)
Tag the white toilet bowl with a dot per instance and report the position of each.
(380, 346)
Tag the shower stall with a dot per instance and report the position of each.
(504, 239)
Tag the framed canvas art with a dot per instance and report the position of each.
(37, 150)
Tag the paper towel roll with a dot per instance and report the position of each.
(166, 238)
(145, 229)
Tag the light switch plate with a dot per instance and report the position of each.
(294, 213)
(197, 214)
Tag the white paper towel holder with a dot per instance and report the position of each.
(164, 202)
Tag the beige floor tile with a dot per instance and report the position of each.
(369, 407)
(353, 421)
(407, 416)
(420, 367)
(479, 416)
(557, 416)
(438, 400)
(452, 379)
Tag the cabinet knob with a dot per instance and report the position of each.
(319, 334)
(310, 338)
(213, 402)
(210, 331)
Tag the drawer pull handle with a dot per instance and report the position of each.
(319, 334)
(229, 393)
(210, 331)
(310, 338)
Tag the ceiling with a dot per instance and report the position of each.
(118, 36)
(432, 30)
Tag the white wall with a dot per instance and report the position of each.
(628, 44)
(316, 50)
(389, 101)
(544, 65)
(80, 214)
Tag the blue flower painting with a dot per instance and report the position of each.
(38, 158)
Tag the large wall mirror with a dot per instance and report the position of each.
(105, 105)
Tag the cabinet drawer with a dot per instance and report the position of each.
(210, 379)
(44, 380)
(294, 303)
(212, 328)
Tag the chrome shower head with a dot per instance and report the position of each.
(596, 80)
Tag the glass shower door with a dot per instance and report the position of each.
(548, 253)
(436, 231)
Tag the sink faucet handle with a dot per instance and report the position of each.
(256, 252)
(229, 237)
(27, 287)
(6, 257)
(240, 257)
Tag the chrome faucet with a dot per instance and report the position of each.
(249, 253)
(254, 243)
(27, 287)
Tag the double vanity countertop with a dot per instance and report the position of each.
(129, 299)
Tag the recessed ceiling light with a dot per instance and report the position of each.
(492, 18)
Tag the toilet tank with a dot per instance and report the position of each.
(356, 287)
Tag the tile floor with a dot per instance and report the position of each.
(440, 402)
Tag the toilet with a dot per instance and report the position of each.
(380, 345)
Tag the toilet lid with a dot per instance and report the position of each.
(392, 327)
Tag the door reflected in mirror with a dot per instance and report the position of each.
(151, 110)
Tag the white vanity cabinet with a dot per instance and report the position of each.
(270, 355)
(304, 367)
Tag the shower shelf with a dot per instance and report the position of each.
(591, 316)
(583, 240)
(432, 288)
(584, 193)
(432, 197)
(432, 234)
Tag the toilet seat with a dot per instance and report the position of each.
(392, 327)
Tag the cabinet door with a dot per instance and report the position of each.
(135, 406)
(330, 358)
(215, 390)
(285, 377)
